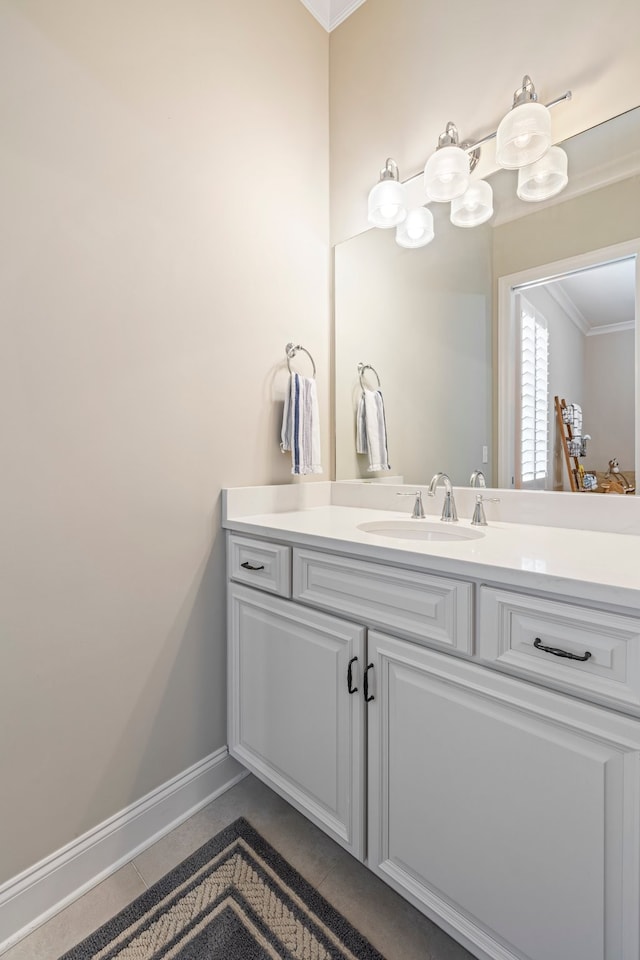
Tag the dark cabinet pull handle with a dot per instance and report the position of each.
(557, 652)
(367, 698)
(247, 566)
(350, 686)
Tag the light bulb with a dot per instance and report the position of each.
(417, 229)
(523, 136)
(387, 203)
(474, 207)
(414, 230)
(446, 174)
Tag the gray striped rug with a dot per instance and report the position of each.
(234, 899)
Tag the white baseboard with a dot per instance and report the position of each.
(31, 898)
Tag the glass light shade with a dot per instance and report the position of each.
(417, 229)
(544, 178)
(446, 174)
(387, 204)
(473, 207)
(524, 135)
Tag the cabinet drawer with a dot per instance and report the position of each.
(264, 565)
(510, 623)
(409, 603)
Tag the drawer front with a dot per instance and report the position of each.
(408, 603)
(264, 565)
(510, 624)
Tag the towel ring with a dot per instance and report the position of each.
(291, 349)
(367, 366)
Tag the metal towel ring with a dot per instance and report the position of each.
(291, 349)
(367, 366)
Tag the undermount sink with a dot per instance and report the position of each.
(419, 530)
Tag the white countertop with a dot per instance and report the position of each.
(574, 564)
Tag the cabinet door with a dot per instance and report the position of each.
(509, 814)
(292, 720)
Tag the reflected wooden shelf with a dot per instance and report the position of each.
(566, 433)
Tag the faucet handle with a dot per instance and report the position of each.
(418, 508)
(479, 519)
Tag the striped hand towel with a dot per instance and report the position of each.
(301, 425)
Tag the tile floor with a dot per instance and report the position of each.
(392, 925)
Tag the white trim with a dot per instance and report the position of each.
(326, 13)
(567, 305)
(31, 898)
(573, 312)
(338, 16)
(611, 328)
(506, 340)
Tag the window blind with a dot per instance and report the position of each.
(534, 387)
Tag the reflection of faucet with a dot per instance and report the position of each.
(449, 513)
(477, 479)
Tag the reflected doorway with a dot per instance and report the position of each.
(568, 330)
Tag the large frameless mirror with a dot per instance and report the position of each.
(443, 328)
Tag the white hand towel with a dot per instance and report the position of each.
(371, 430)
(301, 425)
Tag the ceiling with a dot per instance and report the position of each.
(601, 299)
(330, 13)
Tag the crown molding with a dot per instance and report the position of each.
(341, 9)
(566, 304)
(331, 13)
(611, 328)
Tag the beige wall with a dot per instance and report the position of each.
(601, 218)
(609, 407)
(164, 196)
(401, 70)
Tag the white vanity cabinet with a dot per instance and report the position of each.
(507, 812)
(292, 720)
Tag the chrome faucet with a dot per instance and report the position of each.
(449, 512)
(479, 519)
(477, 479)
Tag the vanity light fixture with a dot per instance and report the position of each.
(388, 199)
(447, 171)
(523, 143)
(544, 178)
(417, 229)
